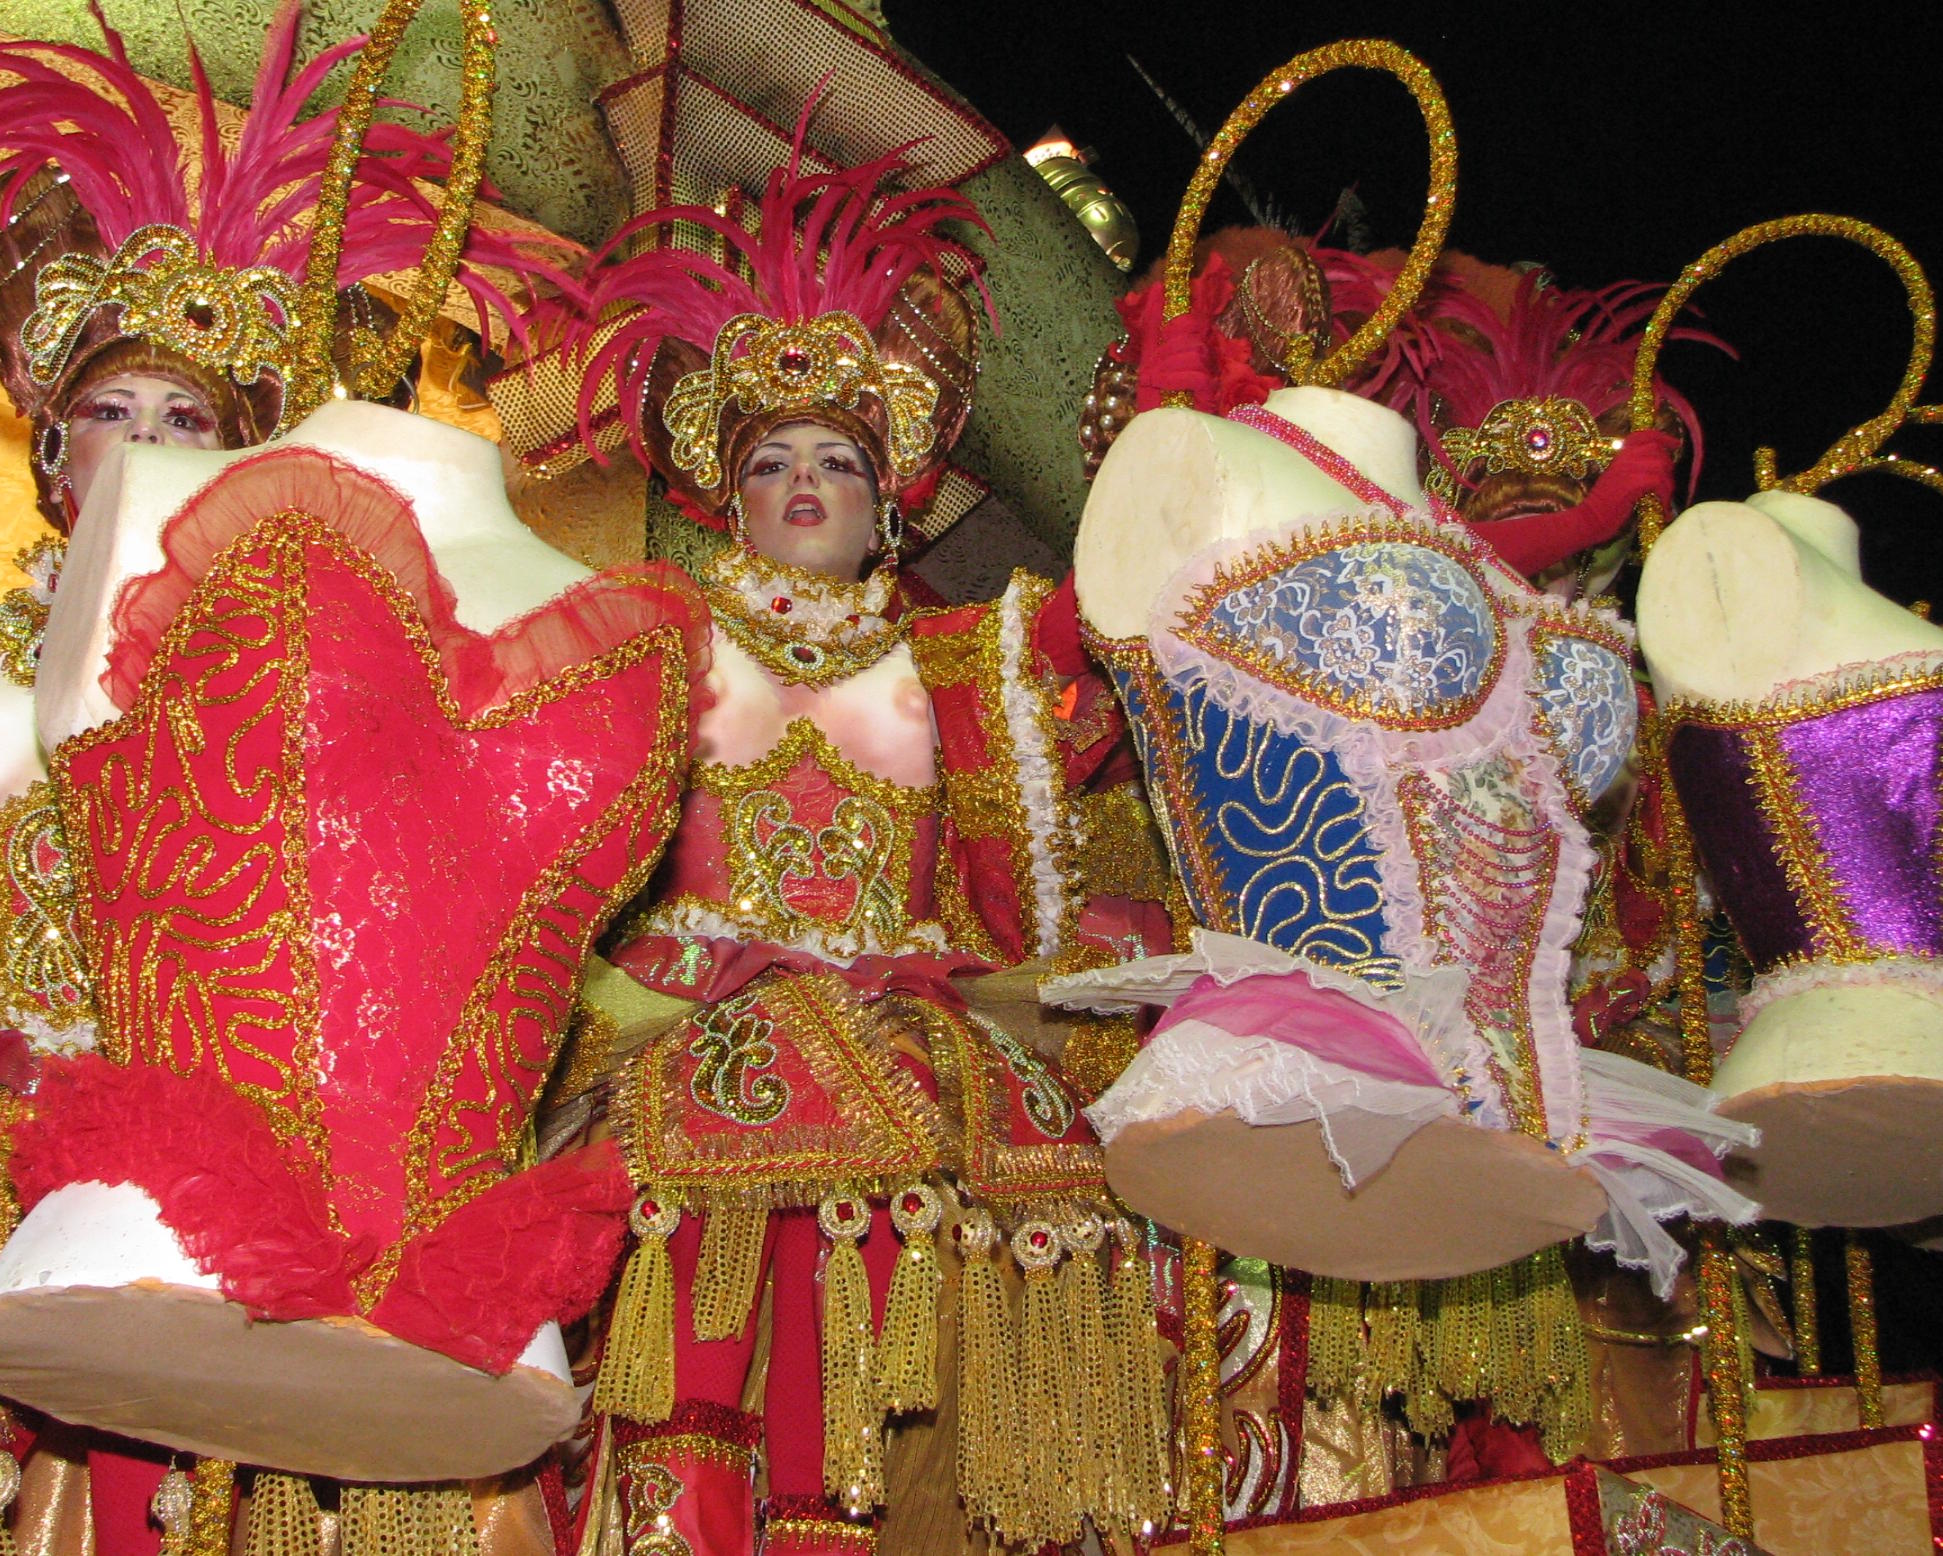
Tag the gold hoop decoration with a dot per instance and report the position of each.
(376, 364)
(1332, 367)
(1856, 450)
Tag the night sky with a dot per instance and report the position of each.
(1607, 144)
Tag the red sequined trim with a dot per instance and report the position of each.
(1582, 1509)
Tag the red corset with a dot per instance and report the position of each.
(338, 867)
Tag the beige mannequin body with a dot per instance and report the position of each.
(1740, 602)
(1187, 480)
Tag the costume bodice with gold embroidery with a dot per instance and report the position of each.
(803, 847)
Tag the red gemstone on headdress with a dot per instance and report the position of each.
(1538, 439)
(793, 360)
(782, 605)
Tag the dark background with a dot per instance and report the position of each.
(1608, 143)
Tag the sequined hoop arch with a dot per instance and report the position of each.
(1856, 450)
(379, 364)
(1302, 365)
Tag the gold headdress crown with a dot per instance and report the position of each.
(230, 321)
(1530, 436)
(830, 360)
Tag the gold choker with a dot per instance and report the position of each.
(806, 628)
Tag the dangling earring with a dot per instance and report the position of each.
(50, 453)
(890, 529)
(738, 526)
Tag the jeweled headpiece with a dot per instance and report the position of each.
(836, 308)
(1524, 389)
(102, 239)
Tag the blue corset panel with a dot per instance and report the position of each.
(1272, 840)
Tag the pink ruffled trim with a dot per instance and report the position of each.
(482, 670)
(248, 1208)
(536, 1246)
(251, 1210)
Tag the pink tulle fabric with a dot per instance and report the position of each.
(1326, 1023)
(409, 863)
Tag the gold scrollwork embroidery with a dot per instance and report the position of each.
(730, 1047)
(1044, 1099)
(43, 969)
(652, 1492)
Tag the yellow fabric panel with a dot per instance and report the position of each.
(1868, 1499)
(20, 521)
(1524, 1518)
(1812, 1412)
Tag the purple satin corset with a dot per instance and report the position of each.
(1821, 823)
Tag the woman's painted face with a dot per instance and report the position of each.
(133, 408)
(809, 498)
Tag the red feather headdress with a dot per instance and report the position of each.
(837, 308)
(116, 246)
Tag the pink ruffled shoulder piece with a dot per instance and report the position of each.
(482, 670)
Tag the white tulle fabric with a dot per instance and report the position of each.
(1632, 1113)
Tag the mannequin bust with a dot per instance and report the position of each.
(1188, 480)
(1351, 735)
(88, 1234)
(1761, 605)
(498, 569)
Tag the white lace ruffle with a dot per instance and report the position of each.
(1201, 1068)
(921, 937)
(1040, 779)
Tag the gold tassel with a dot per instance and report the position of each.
(988, 1386)
(9, 1488)
(1095, 1380)
(1390, 1363)
(1141, 1430)
(907, 1351)
(194, 1509)
(1335, 1338)
(725, 1277)
(284, 1517)
(853, 1420)
(1047, 1416)
(637, 1365)
(407, 1521)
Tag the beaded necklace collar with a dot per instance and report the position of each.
(806, 628)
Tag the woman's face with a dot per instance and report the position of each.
(809, 498)
(133, 408)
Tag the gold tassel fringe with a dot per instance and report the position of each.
(1140, 1433)
(1047, 1417)
(725, 1277)
(284, 1517)
(637, 1366)
(407, 1521)
(1094, 1379)
(988, 1386)
(906, 1376)
(1510, 1335)
(853, 1420)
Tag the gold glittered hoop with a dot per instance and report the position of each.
(1856, 450)
(1331, 367)
(378, 365)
